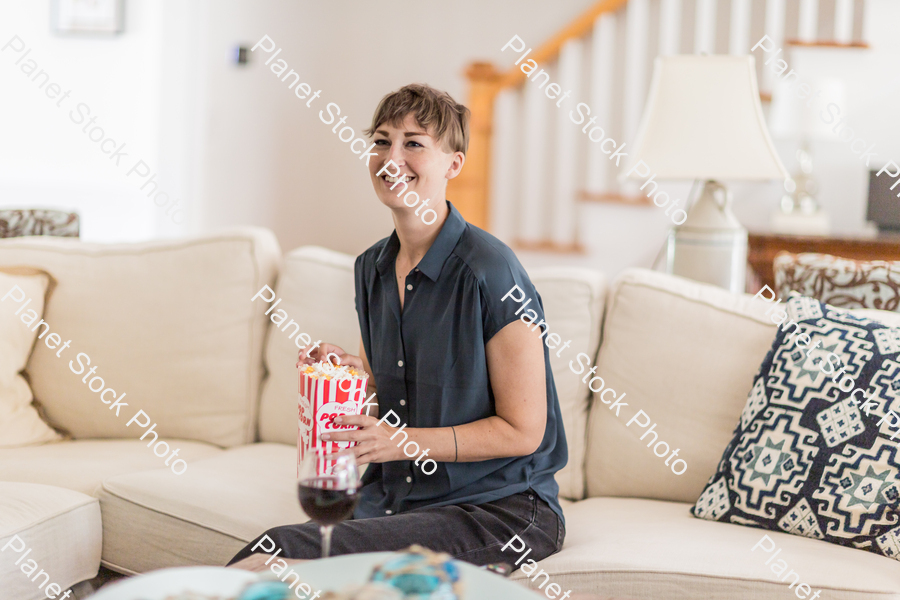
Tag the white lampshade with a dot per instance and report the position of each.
(703, 121)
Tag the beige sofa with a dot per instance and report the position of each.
(173, 325)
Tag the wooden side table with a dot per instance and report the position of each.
(764, 246)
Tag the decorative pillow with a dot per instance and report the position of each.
(19, 223)
(20, 424)
(817, 449)
(839, 281)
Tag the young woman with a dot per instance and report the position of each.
(466, 375)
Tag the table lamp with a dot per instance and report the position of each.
(798, 120)
(703, 121)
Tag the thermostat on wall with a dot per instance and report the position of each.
(87, 16)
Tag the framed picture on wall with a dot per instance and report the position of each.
(87, 16)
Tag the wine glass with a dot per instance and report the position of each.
(328, 489)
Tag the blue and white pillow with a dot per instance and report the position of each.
(817, 449)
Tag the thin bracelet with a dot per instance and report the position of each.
(455, 447)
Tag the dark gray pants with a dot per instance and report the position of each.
(470, 532)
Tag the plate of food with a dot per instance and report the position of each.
(414, 574)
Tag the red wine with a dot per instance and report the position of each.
(325, 503)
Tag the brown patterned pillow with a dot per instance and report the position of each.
(19, 223)
(839, 281)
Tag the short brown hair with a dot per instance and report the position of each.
(432, 108)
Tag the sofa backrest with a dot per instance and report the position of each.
(317, 291)
(573, 302)
(685, 353)
(168, 323)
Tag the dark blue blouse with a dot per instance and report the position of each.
(430, 366)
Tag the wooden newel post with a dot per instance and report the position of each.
(470, 191)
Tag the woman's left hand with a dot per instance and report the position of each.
(374, 444)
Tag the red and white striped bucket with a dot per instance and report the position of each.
(320, 401)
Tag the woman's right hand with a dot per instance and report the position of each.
(334, 354)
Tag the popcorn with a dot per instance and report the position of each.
(326, 392)
(329, 371)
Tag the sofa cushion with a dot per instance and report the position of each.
(316, 289)
(813, 453)
(204, 519)
(20, 423)
(685, 353)
(59, 530)
(573, 305)
(573, 302)
(169, 323)
(648, 549)
(81, 465)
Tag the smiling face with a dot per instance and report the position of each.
(424, 164)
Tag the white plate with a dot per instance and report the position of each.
(330, 574)
(158, 585)
(341, 571)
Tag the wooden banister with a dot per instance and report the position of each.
(615, 198)
(825, 44)
(470, 191)
(549, 51)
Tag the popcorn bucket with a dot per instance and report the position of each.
(325, 394)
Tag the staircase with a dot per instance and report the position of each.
(530, 168)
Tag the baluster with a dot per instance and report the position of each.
(775, 13)
(504, 161)
(562, 217)
(635, 85)
(739, 34)
(534, 163)
(669, 27)
(705, 28)
(843, 21)
(602, 73)
(859, 20)
(809, 20)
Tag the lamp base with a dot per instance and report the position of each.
(711, 245)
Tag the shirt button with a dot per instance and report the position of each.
(417, 270)
(409, 480)
(409, 286)
(388, 512)
(402, 402)
(399, 363)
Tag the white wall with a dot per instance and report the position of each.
(46, 160)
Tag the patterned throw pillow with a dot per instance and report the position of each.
(817, 449)
(839, 281)
(20, 223)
